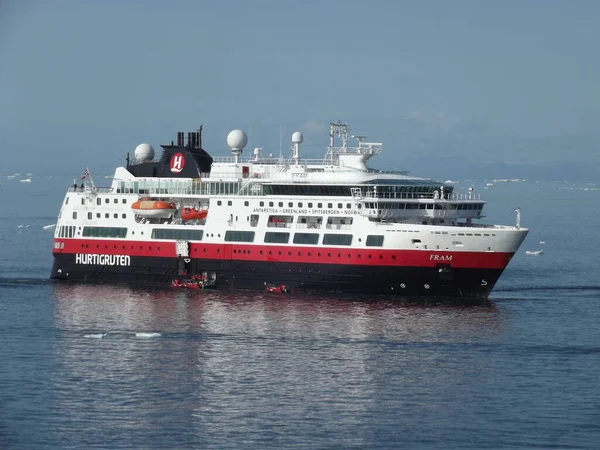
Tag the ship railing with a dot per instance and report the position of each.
(308, 225)
(338, 226)
(279, 224)
(90, 189)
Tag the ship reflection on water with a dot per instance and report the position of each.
(234, 366)
(121, 309)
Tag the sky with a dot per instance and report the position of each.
(84, 81)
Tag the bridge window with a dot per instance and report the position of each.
(337, 239)
(276, 237)
(374, 240)
(175, 234)
(113, 232)
(239, 236)
(306, 238)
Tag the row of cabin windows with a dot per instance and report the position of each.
(113, 232)
(99, 215)
(291, 204)
(459, 206)
(390, 191)
(276, 237)
(270, 237)
(99, 200)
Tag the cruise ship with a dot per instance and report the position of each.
(312, 225)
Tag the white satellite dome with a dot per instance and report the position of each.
(297, 138)
(144, 152)
(237, 140)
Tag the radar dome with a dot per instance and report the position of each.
(237, 140)
(297, 138)
(144, 152)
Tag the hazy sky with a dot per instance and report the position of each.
(81, 76)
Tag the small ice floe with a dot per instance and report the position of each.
(95, 336)
(542, 242)
(25, 180)
(534, 252)
(49, 227)
(147, 335)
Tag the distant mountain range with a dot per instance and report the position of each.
(443, 168)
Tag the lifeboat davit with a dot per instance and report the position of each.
(152, 208)
(193, 214)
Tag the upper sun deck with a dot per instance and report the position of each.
(186, 168)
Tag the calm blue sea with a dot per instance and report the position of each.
(220, 370)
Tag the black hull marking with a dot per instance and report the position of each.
(252, 275)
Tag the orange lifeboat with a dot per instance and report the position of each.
(193, 214)
(152, 208)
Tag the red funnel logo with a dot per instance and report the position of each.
(177, 162)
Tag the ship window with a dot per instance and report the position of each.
(374, 240)
(74, 214)
(348, 206)
(290, 205)
(67, 201)
(300, 205)
(239, 236)
(219, 202)
(281, 204)
(98, 201)
(175, 234)
(89, 216)
(246, 203)
(262, 203)
(271, 204)
(280, 221)
(340, 205)
(106, 200)
(306, 238)
(276, 237)
(319, 205)
(113, 232)
(106, 215)
(98, 215)
(124, 216)
(254, 220)
(83, 200)
(116, 200)
(310, 205)
(229, 203)
(309, 222)
(124, 201)
(337, 239)
(330, 205)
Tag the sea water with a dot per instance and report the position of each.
(99, 366)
